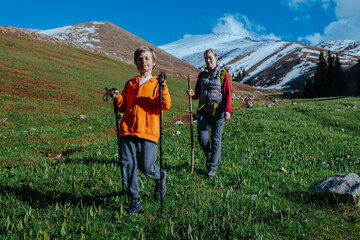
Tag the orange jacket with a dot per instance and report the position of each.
(141, 109)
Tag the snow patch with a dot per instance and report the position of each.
(77, 33)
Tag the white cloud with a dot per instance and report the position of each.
(240, 25)
(305, 19)
(233, 24)
(326, 4)
(313, 39)
(347, 9)
(299, 4)
(347, 25)
(305, 4)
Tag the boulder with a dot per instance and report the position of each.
(178, 123)
(249, 104)
(342, 187)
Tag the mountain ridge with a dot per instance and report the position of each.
(119, 44)
(34, 34)
(268, 63)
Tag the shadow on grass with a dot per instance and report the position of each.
(91, 160)
(37, 199)
(185, 166)
(312, 199)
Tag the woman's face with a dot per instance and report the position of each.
(210, 60)
(145, 62)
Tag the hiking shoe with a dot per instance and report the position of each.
(135, 207)
(157, 190)
(211, 173)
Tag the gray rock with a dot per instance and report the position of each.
(178, 123)
(251, 196)
(249, 104)
(342, 187)
(175, 134)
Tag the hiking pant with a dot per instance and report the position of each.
(212, 149)
(137, 152)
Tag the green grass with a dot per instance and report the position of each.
(77, 196)
(47, 87)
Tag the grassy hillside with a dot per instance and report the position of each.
(77, 196)
(47, 86)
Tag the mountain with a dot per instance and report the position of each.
(342, 46)
(73, 39)
(267, 63)
(119, 44)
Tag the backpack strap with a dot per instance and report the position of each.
(222, 76)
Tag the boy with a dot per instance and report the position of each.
(139, 127)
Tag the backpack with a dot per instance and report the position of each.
(222, 79)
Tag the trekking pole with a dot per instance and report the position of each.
(105, 98)
(161, 79)
(191, 127)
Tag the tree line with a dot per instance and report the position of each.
(329, 79)
(358, 78)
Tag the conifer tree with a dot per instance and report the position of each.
(308, 88)
(243, 74)
(240, 76)
(340, 83)
(320, 76)
(358, 78)
(329, 89)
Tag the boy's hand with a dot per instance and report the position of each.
(114, 94)
(163, 83)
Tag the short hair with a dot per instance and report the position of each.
(210, 50)
(144, 49)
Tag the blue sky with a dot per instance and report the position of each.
(161, 22)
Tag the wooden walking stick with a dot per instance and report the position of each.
(191, 127)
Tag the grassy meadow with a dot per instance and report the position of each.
(44, 88)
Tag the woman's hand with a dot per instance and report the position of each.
(190, 92)
(114, 94)
(227, 116)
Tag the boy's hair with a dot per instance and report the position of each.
(144, 49)
(210, 50)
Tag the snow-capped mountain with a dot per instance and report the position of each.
(117, 43)
(344, 46)
(268, 63)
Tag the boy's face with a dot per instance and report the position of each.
(145, 62)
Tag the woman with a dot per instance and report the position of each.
(213, 89)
